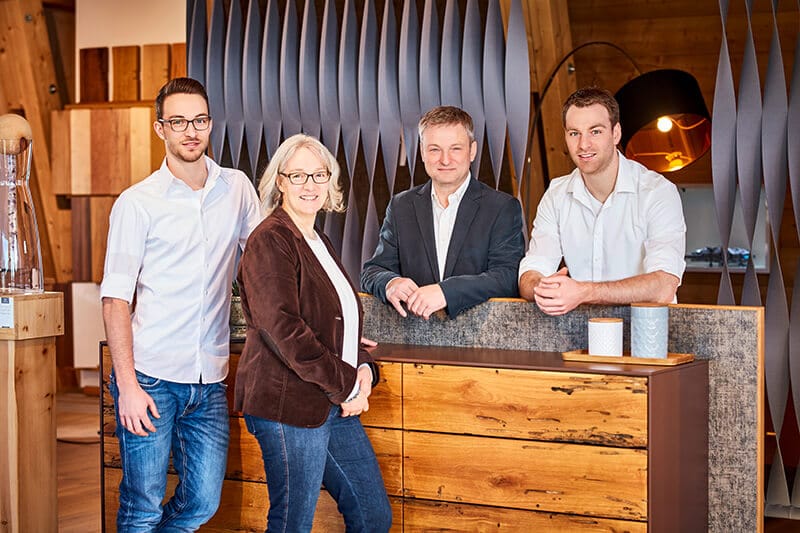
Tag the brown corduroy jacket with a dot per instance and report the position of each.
(291, 369)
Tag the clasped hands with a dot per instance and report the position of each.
(559, 294)
(421, 301)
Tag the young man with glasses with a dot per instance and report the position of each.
(172, 246)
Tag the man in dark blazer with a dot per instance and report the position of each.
(453, 242)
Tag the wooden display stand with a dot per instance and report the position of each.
(28, 493)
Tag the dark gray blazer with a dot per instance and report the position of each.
(482, 259)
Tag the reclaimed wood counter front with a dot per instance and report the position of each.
(472, 438)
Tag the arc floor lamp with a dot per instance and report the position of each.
(665, 122)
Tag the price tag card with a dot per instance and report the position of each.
(6, 312)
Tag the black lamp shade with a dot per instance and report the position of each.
(675, 97)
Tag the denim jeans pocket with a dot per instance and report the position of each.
(145, 381)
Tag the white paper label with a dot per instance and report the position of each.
(6, 312)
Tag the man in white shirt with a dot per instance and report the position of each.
(453, 242)
(172, 244)
(617, 225)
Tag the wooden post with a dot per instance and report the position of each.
(28, 490)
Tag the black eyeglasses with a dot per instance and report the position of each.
(300, 178)
(180, 124)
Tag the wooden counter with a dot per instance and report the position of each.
(472, 438)
(28, 477)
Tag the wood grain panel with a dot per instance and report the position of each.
(421, 515)
(177, 60)
(110, 149)
(126, 73)
(80, 132)
(595, 481)
(99, 211)
(155, 68)
(386, 401)
(244, 454)
(60, 151)
(94, 74)
(557, 406)
(141, 134)
(35, 383)
(388, 446)
(81, 238)
(243, 507)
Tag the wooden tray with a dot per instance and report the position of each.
(626, 359)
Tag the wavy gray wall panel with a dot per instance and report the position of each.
(196, 40)
(270, 76)
(329, 78)
(451, 55)
(518, 91)
(471, 75)
(368, 118)
(793, 141)
(723, 154)
(774, 158)
(388, 97)
(494, 102)
(352, 81)
(329, 105)
(408, 80)
(215, 71)
(309, 72)
(429, 58)
(348, 111)
(368, 86)
(289, 74)
(251, 84)
(232, 84)
(348, 85)
(748, 153)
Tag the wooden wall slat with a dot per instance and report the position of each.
(125, 73)
(81, 239)
(110, 163)
(155, 68)
(177, 63)
(93, 70)
(100, 210)
(60, 154)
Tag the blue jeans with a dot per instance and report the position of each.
(194, 427)
(338, 454)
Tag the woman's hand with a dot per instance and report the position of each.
(356, 406)
(364, 380)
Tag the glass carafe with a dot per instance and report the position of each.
(20, 251)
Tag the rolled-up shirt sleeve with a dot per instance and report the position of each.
(127, 233)
(544, 252)
(665, 245)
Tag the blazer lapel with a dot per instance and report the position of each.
(424, 215)
(466, 213)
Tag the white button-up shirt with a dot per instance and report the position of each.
(444, 220)
(177, 249)
(637, 230)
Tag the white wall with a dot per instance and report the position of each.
(108, 23)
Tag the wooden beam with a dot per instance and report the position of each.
(26, 58)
